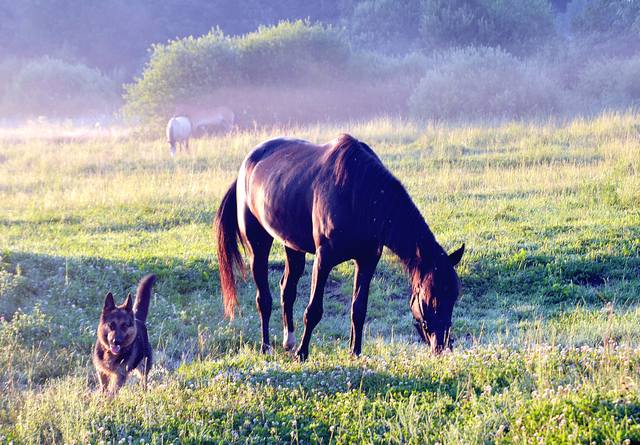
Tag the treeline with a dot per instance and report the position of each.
(115, 34)
(442, 59)
(105, 44)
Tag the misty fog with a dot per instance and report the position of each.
(290, 62)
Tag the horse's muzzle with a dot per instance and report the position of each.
(437, 341)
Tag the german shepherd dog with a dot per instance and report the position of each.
(123, 345)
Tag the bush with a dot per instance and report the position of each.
(194, 69)
(610, 83)
(593, 73)
(295, 52)
(482, 83)
(58, 89)
(178, 71)
(609, 17)
(517, 25)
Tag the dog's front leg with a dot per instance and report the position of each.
(104, 381)
(117, 381)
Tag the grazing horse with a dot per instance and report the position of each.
(178, 132)
(215, 120)
(339, 202)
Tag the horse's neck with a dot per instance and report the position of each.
(408, 235)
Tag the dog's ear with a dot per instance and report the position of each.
(109, 304)
(128, 303)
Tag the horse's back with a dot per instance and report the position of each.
(294, 163)
(178, 128)
(325, 156)
(277, 147)
(297, 189)
(275, 185)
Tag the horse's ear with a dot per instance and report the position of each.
(456, 256)
(109, 304)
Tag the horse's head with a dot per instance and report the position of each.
(435, 291)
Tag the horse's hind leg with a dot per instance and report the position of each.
(293, 270)
(260, 242)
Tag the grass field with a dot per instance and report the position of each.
(547, 330)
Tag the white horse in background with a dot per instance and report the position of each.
(178, 132)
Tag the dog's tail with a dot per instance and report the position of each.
(143, 296)
(227, 234)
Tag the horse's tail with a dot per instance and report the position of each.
(229, 256)
(143, 296)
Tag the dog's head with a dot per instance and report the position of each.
(117, 329)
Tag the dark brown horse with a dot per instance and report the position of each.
(339, 202)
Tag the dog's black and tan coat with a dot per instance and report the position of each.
(123, 345)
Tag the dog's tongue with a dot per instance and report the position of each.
(115, 348)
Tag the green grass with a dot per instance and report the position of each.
(547, 330)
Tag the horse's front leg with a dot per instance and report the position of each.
(322, 265)
(293, 270)
(365, 268)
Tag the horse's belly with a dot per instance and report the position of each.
(288, 224)
(285, 214)
(301, 244)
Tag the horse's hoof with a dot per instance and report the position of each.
(289, 342)
(302, 356)
(266, 349)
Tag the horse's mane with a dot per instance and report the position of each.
(384, 204)
(354, 158)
